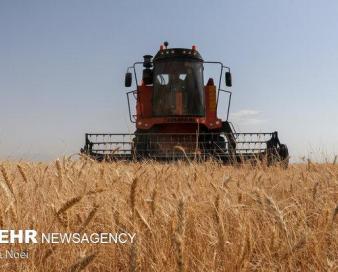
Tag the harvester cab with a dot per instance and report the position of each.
(176, 116)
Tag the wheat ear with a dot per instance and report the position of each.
(82, 263)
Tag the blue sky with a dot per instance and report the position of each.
(62, 65)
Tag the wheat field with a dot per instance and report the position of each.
(186, 216)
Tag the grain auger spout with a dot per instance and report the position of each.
(175, 116)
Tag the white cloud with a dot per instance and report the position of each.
(247, 117)
(245, 113)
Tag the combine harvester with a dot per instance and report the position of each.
(176, 117)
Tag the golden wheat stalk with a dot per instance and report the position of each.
(179, 236)
(132, 197)
(22, 173)
(68, 204)
(244, 248)
(335, 212)
(178, 147)
(7, 180)
(82, 263)
(48, 253)
(220, 228)
(59, 172)
(277, 213)
(143, 220)
(153, 200)
(9, 193)
(8, 189)
(133, 257)
(89, 218)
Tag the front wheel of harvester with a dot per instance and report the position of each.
(283, 153)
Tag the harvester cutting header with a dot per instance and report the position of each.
(176, 116)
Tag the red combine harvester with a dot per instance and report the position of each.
(176, 116)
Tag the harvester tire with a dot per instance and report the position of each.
(283, 153)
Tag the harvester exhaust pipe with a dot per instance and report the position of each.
(147, 74)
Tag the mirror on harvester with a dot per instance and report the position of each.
(228, 80)
(128, 79)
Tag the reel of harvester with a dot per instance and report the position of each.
(249, 147)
